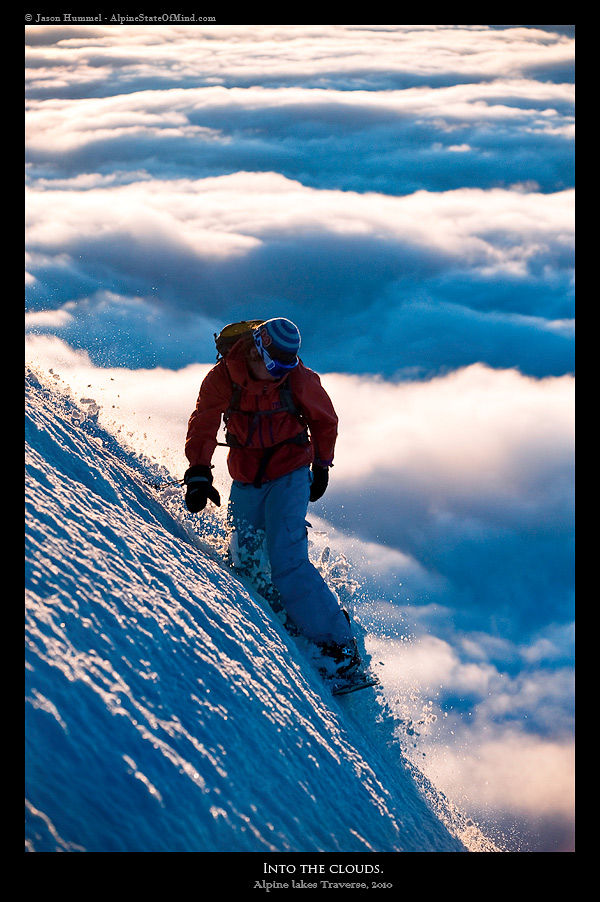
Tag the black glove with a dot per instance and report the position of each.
(319, 483)
(199, 489)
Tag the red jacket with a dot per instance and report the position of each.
(244, 459)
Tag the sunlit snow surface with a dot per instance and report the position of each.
(166, 710)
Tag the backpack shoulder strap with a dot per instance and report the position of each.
(287, 400)
(235, 398)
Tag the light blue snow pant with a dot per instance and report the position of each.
(273, 517)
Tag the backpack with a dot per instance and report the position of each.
(232, 333)
(224, 341)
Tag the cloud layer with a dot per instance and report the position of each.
(431, 280)
(419, 178)
(471, 475)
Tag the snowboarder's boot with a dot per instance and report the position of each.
(345, 658)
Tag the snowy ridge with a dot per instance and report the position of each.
(166, 710)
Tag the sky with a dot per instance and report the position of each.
(405, 194)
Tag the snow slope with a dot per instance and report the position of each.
(166, 711)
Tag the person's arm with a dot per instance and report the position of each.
(201, 440)
(205, 420)
(322, 420)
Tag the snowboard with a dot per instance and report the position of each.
(354, 683)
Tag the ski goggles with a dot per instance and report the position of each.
(275, 367)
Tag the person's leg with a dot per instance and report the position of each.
(246, 519)
(305, 595)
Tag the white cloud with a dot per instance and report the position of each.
(522, 776)
(485, 232)
(62, 125)
(330, 53)
(476, 433)
(469, 726)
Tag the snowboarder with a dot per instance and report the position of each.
(281, 432)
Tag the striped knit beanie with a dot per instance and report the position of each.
(282, 339)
